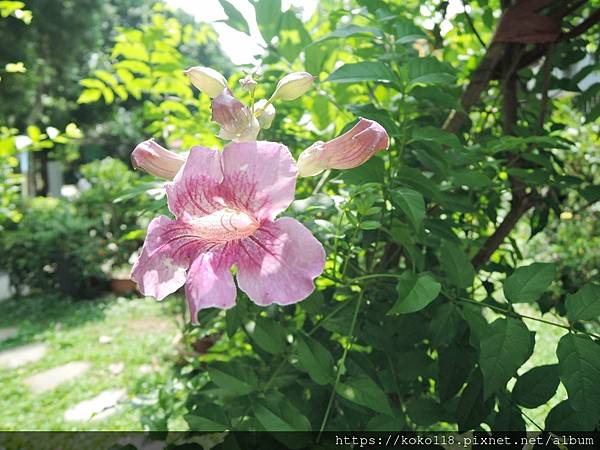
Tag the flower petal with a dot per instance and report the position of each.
(349, 150)
(193, 190)
(156, 160)
(210, 283)
(158, 271)
(279, 262)
(259, 177)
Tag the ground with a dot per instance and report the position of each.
(116, 347)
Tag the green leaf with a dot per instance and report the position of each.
(315, 359)
(509, 418)
(293, 37)
(208, 418)
(234, 377)
(235, 18)
(365, 392)
(472, 408)
(424, 411)
(457, 265)
(428, 70)
(528, 283)
(584, 304)
(536, 386)
(373, 171)
(268, 17)
(362, 71)
(444, 325)
(434, 134)
(279, 414)
(414, 293)
(455, 365)
(348, 31)
(579, 366)
(503, 349)
(564, 418)
(411, 203)
(89, 96)
(269, 335)
(406, 32)
(383, 422)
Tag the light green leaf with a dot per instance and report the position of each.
(457, 265)
(579, 367)
(414, 293)
(268, 17)
(503, 349)
(348, 31)
(584, 304)
(411, 203)
(536, 386)
(362, 71)
(89, 96)
(528, 283)
(235, 18)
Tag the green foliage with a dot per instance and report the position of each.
(53, 248)
(411, 327)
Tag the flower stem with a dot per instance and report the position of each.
(341, 364)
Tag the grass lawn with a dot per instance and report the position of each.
(137, 334)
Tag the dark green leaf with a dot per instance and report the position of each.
(472, 409)
(579, 366)
(414, 293)
(428, 70)
(269, 335)
(411, 203)
(406, 32)
(457, 265)
(445, 324)
(383, 422)
(528, 283)
(365, 392)
(362, 71)
(315, 359)
(279, 414)
(536, 386)
(455, 365)
(584, 304)
(509, 418)
(209, 418)
(373, 171)
(503, 349)
(424, 411)
(564, 418)
(234, 377)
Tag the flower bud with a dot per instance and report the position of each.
(156, 160)
(293, 86)
(207, 80)
(238, 124)
(248, 83)
(347, 151)
(267, 113)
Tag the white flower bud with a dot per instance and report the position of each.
(293, 86)
(207, 80)
(248, 83)
(267, 113)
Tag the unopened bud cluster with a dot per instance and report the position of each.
(240, 123)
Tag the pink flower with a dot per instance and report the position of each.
(349, 150)
(238, 124)
(225, 206)
(157, 160)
